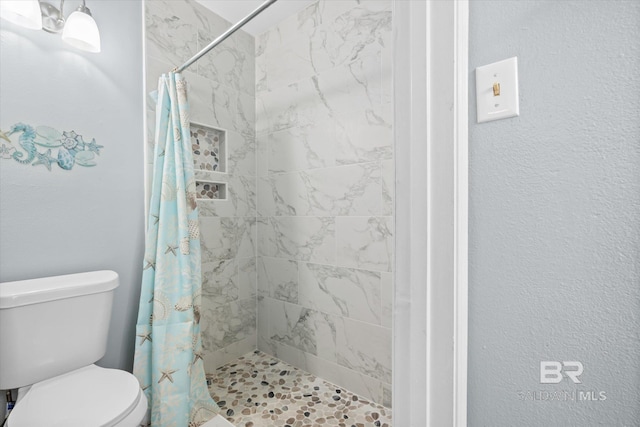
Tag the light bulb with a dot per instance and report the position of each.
(25, 13)
(81, 31)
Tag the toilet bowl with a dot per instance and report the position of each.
(66, 320)
(89, 396)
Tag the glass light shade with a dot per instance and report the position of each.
(25, 13)
(82, 32)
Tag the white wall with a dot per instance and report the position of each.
(555, 214)
(324, 124)
(57, 222)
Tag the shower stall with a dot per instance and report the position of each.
(292, 135)
(295, 148)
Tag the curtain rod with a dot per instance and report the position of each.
(224, 36)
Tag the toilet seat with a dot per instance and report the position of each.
(87, 397)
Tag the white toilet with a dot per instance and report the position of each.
(52, 330)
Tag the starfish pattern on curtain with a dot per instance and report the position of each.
(168, 357)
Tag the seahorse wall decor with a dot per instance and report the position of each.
(35, 147)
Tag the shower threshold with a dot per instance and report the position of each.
(257, 390)
(218, 421)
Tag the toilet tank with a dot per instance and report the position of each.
(53, 325)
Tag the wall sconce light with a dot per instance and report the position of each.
(24, 13)
(79, 29)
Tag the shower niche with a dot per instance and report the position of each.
(211, 190)
(209, 146)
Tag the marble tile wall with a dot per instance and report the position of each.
(221, 95)
(308, 114)
(325, 193)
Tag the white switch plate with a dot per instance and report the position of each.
(491, 107)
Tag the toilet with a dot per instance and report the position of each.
(52, 331)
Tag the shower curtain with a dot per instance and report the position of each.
(168, 358)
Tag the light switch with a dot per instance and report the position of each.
(497, 90)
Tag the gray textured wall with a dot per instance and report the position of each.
(555, 214)
(57, 222)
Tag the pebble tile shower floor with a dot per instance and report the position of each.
(257, 390)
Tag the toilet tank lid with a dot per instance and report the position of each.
(34, 291)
